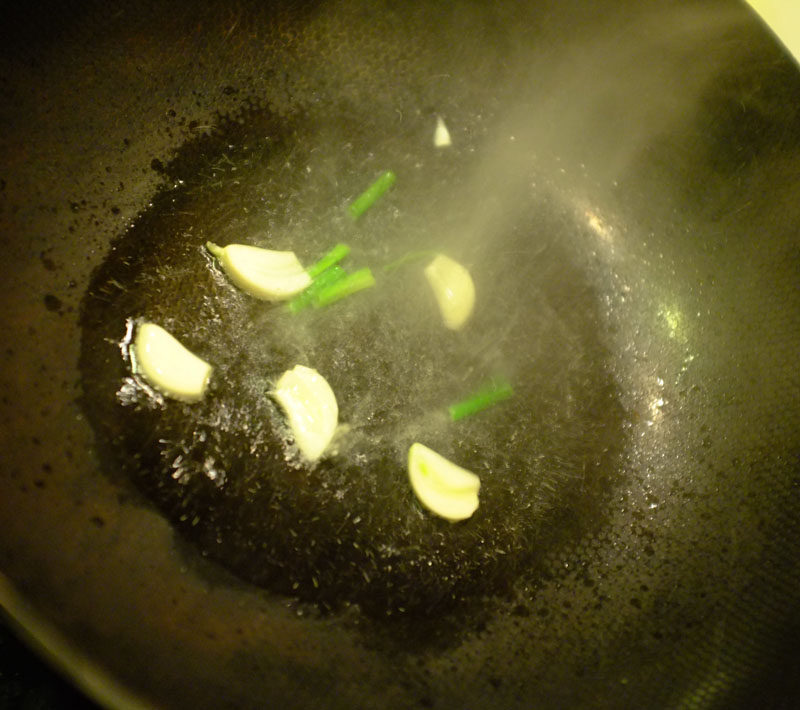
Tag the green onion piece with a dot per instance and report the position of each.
(409, 258)
(334, 256)
(495, 391)
(367, 198)
(326, 278)
(351, 283)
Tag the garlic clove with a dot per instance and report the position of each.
(263, 273)
(441, 136)
(440, 485)
(454, 290)
(310, 407)
(168, 365)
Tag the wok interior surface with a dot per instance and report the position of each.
(347, 531)
(623, 185)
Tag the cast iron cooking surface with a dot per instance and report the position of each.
(348, 530)
(662, 139)
(28, 683)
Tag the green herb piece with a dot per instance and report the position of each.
(328, 277)
(367, 198)
(357, 281)
(495, 391)
(409, 258)
(334, 256)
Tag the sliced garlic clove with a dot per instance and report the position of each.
(263, 273)
(454, 290)
(168, 365)
(310, 406)
(441, 136)
(444, 488)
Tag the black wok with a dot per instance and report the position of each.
(624, 185)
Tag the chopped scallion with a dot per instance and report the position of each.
(334, 256)
(328, 277)
(367, 198)
(351, 283)
(409, 258)
(495, 391)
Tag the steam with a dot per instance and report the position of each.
(580, 116)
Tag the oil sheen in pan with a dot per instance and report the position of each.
(348, 531)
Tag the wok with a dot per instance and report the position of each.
(623, 182)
